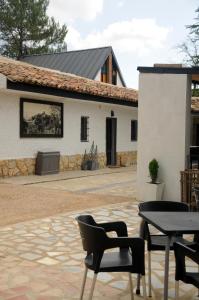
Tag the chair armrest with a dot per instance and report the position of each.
(136, 245)
(182, 250)
(125, 242)
(119, 227)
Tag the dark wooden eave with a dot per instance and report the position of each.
(67, 94)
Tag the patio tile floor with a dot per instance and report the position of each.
(42, 260)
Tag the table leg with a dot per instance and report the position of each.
(166, 268)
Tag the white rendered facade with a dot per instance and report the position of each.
(14, 147)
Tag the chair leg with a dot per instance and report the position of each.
(198, 289)
(138, 285)
(149, 272)
(93, 286)
(83, 283)
(144, 287)
(176, 290)
(131, 286)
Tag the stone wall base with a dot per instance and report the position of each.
(26, 166)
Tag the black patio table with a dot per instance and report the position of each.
(171, 223)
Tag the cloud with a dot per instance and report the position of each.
(136, 42)
(120, 4)
(67, 11)
(136, 36)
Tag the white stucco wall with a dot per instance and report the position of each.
(3, 81)
(164, 129)
(119, 81)
(12, 146)
(98, 76)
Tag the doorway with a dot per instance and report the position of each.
(111, 141)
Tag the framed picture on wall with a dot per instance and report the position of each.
(41, 118)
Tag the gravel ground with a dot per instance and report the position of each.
(20, 203)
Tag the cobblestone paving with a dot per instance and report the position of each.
(42, 260)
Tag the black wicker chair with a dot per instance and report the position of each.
(158, 242)
(181, 252)
(129, 256)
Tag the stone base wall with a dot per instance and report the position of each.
(26, 166)
(73, 162)
(127, 158)
(15, 167)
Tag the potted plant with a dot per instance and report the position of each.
(153, 170)
(154, 188)
(84, 161)
(90, 160)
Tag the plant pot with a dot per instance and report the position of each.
(84, 166)
(90, 165)
(153, 191)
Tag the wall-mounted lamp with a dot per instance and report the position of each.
(112, 113)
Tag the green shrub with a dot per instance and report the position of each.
(153, 170)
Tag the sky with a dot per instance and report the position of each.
(141, 32)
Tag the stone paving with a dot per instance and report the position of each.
(42, 260)
(117, 182)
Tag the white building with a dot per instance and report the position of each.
(84, 111)
(167, 124)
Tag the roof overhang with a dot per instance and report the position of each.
(178, 69)
(67, 94)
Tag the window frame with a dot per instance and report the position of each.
(84, 137)
(134, 130)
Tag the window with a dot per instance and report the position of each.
(114, 77)
(104, 72)
(84, 129)
(134, 126)
(114, 73)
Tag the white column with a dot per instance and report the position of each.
(163, 129)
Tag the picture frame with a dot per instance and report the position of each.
(41, 119)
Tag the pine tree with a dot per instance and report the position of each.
(25, 28)
(191, 46)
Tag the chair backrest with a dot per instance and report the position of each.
(163, 206)
(93, 237)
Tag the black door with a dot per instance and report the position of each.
(111, 134)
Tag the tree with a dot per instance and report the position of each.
(25, 29)
(191, 47)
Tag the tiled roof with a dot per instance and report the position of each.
(195, 104)
(22, 72)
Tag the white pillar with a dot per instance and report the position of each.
(163, 129)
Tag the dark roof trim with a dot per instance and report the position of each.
(165, 70)
(61, 93)
(119, 71)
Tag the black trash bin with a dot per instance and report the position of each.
(47, 163)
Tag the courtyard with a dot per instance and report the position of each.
(40, 246)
